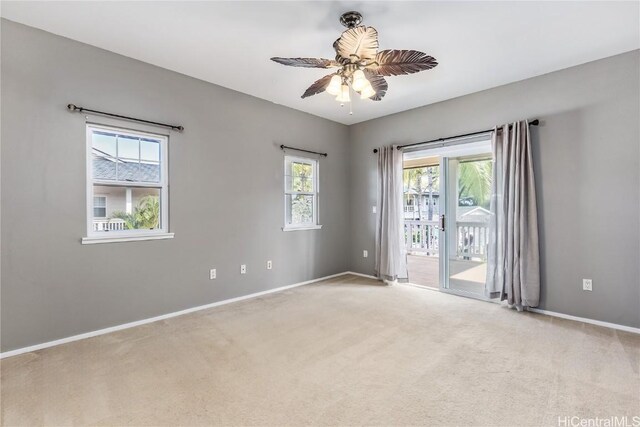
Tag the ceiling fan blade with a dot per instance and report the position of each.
(378, 83)
(318, 86)
(306, 62)
(361, 42)
(398, 62)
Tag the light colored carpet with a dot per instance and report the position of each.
(344, 351)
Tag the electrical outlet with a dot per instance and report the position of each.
(365, 253)
(374, 209)
(212, 274)
(587, 285)
(269, 265)
(243, 269)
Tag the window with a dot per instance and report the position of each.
(130, 170)
(300, 193)
(99, 206)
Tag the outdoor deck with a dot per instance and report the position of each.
(467, 276)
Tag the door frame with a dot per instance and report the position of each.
(447, 201)
(449, 233)
(443, 244)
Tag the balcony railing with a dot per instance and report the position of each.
(422, 237)
(473, 239)
(108, 225)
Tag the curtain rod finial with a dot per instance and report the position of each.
(71, 107)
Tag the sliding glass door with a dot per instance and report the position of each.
(446, 214)
(467, 191)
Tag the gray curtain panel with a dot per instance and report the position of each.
(391, 254)
(513, 268)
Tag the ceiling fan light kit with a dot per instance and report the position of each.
(361, 67)
(335, 85)
(359, 81)
(343, 96)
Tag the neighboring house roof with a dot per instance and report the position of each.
(473, 214)
(477, 210)
(105, 169)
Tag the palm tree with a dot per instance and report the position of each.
(433, 178)
(474, 180)
(414, 179)
(144, 216)
(413, 182)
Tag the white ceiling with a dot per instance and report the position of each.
(479, 45)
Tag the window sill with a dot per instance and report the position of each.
(109, 239)
(310, 227)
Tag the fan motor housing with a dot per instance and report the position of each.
(351, 19)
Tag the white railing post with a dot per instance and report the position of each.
(421, 236)
(108, 225)
(472, 240)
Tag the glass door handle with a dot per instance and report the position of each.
(441, 224)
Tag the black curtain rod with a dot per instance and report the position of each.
(534, 122)
(73, 108)
(283, 147)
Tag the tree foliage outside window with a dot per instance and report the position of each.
(419, 182)
(302, 209)
(144, 216)
(474, 181)
(302, 174)
(302, 181)
(300, 192)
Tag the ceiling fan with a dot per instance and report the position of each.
(361, 67)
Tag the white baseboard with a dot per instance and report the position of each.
(157, 318)
(257, 294)
(587, 320)
(368, 276)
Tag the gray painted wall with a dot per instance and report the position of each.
(587, 169)
(226, 188)
(226, 174)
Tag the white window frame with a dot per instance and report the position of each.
(128, 235)
(104, 196)
(315, 224)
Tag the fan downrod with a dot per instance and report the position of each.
(351, 19)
